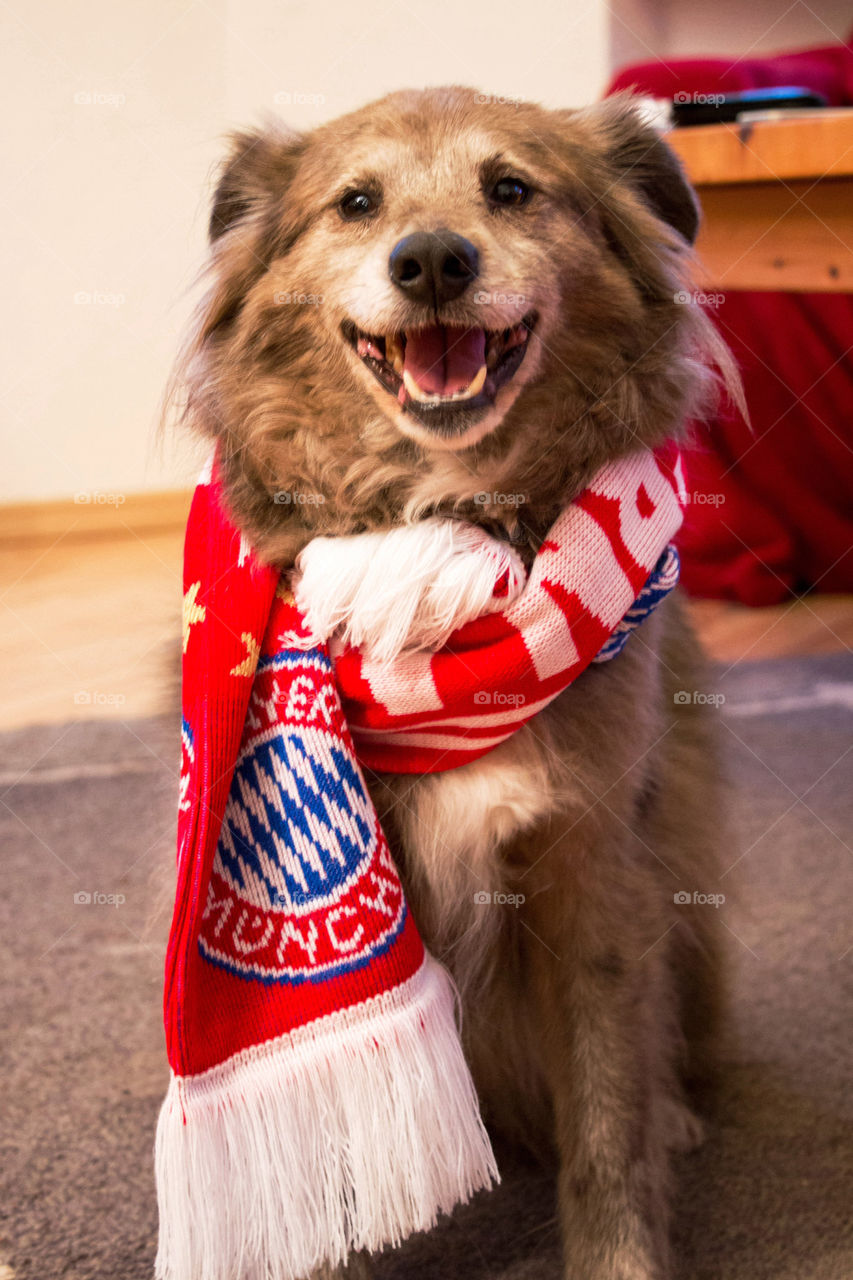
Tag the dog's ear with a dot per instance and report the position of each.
(250, 199)
(641, 157)
(259, 168)
(638, 157)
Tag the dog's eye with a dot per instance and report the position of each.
(357, 204)
(509, 191)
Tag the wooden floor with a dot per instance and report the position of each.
(90, 627)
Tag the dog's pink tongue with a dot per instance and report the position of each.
(442, 360)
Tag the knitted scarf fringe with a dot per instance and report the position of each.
(322, 1141)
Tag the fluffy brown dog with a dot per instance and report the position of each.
(416, 310)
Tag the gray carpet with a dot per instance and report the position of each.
(89, 808)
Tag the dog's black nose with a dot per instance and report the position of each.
(433, 266)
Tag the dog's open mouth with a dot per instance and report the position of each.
(438, 371)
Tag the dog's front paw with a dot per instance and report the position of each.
(406, 589)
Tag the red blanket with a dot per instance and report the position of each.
(771, 510)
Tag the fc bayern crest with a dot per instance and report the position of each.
(302, 885)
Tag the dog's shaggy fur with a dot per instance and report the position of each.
(588, 1008)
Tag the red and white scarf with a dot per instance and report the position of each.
(319, 1099)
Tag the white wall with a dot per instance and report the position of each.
(346, 52)
(119, 112)
(114, 116)
(116, 110)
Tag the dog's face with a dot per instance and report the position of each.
(441, 271)
(430, 236)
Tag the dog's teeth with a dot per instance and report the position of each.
(425, 397)
(365, 346)
(474, 388)
(394, 352)
(416, 393)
